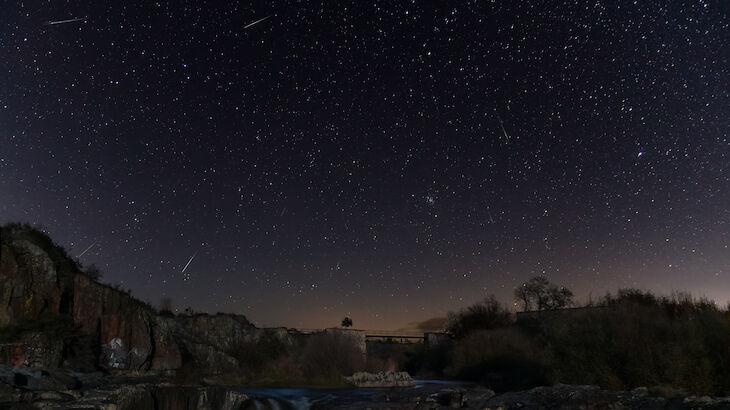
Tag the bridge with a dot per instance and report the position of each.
(399, 336)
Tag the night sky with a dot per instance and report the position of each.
(390, 161)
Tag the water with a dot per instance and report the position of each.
(303, 399)
(296, 399)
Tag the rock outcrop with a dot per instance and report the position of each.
(38, 282)
(64, 390)
(124, 324)
(30, 283)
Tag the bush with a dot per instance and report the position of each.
(503, 359)
(638, 339)
(328, 356)
(539, 294)
(253, 355)
(487, 314)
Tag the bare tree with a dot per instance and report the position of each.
(487, 314)
(539, 294)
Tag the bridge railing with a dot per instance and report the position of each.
(396, 334)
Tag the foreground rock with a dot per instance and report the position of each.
(592, 397)
(570, 397)
(380, 379)
(132, 397)
(21, 387)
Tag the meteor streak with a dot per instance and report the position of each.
(87, 249)
(506, 137)
(53, 23)
(188, 264)
(256, 22)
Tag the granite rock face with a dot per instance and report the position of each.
(43, 284)
(30, 285)
(122, 323)
(34, 349)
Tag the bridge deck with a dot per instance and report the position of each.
(370, 334)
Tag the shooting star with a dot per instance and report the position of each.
(256, 22)
(188, 264)
(501, 124)
(87, 249)
(74, 20)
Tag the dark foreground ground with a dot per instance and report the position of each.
(22, 388)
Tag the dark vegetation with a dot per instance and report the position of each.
(487, 314)
(539, 294)
(624, 340)
(309, 360)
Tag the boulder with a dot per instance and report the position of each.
(380, 379)
(30, 379)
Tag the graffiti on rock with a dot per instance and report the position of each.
(115, 354)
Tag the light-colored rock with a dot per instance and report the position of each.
(380, 379)
(640, 391)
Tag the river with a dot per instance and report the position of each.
(303, 399)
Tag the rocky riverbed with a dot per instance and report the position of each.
(23, 388)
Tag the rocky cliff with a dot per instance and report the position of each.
(47, 305)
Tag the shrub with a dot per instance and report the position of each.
(487, 314)
(328, 356)
(539, 294)
(253, 355)
(503, 359)
(638, 339)
(429, 363)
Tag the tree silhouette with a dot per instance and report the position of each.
(539, 294)
(346, 322)
(487, 314)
